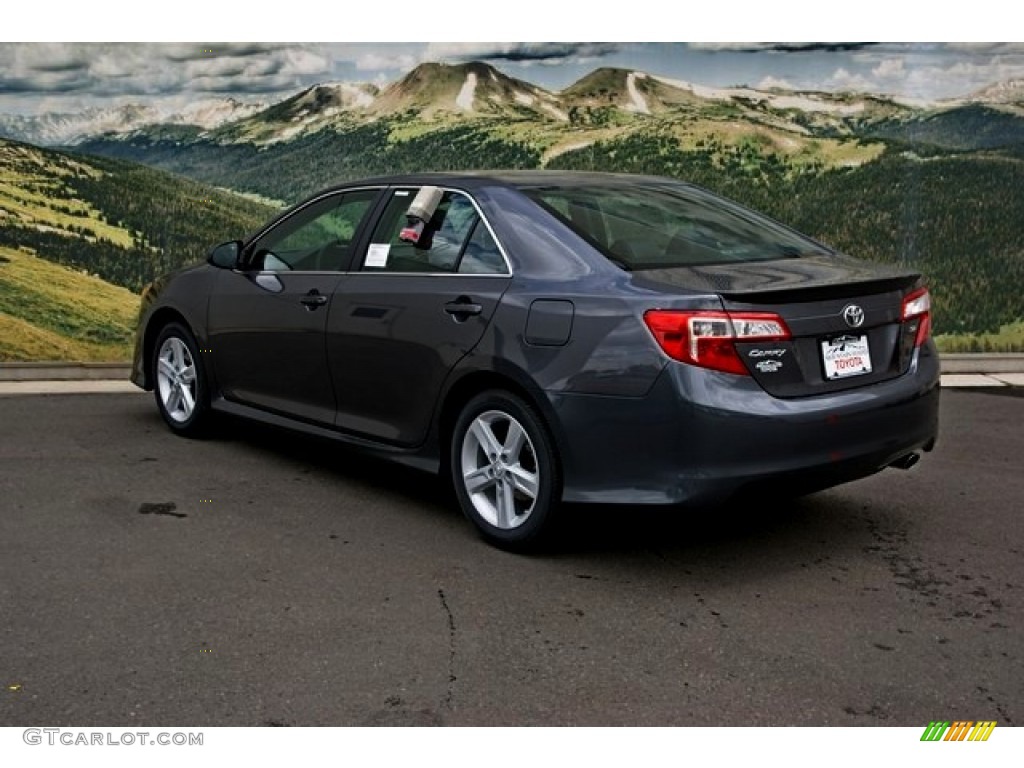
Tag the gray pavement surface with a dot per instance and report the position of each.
(261, 578)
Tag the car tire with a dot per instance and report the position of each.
(179, 381)
(505, 471)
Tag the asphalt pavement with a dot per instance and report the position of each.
(262, 578)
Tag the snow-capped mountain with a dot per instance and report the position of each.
(430, 91)
(627, 90)
(468, 89)
(1005, 92)
(212, 113)
(68, 129)
(56, 128)
(309, 110)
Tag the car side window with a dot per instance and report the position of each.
(482, 255)
(316, 239)
(454, 240)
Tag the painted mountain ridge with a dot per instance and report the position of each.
(69, 129)
(441, 94)
(1006, 92)
(309, 110)
(435, 93)
(464, 89)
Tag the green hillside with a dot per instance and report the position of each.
(949, 216)
(970, 127)
(80, 236)
(50, 312)
(956, 219)
(293, 169)
(120, 221)
(298, 168)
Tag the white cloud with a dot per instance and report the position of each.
(844, 80)
(299, 61)
(108, 65)
(889, 69)
(928, 74)
(369, 62)
(125, 69)
(960, 78)
(768, 82)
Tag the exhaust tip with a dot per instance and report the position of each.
(906, 462)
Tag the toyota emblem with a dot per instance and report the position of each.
(853, 315)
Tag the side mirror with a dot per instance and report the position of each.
(225, 255)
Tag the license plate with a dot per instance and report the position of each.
(846, 356)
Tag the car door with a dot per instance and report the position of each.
(408, 313)
(267, 320)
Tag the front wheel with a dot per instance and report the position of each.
(504, 470)
(180, 385)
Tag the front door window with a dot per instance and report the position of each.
(316, 239)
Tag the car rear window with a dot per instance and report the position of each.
(658, 226)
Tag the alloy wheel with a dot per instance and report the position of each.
(176, 379)
(499, 469)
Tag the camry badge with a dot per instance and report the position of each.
(853, 315)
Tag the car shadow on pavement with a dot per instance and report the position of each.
(338, 460)
(687, 531)
(668, 533)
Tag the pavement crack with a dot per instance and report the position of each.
(446, 702)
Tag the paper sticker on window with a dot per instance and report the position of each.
(377, 255)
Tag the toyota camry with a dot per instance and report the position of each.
(545, 337)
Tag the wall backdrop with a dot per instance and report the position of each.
(121, 161)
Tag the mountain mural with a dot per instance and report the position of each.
(80, 236)
(933, 184)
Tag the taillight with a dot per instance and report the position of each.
(708, 338)
(917, 315)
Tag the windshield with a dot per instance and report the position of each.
(655, 226)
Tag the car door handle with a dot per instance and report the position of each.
(462, 308)
(313, 299)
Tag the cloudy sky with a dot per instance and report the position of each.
(47, 77)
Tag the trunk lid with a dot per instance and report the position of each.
(845, 318)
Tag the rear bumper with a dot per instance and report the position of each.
(701, 437)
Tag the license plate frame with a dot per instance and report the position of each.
(846, 356)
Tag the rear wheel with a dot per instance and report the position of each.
(504, 470)
(180, 381)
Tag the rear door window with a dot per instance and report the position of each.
(455, 240)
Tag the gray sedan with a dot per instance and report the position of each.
(544, 337)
